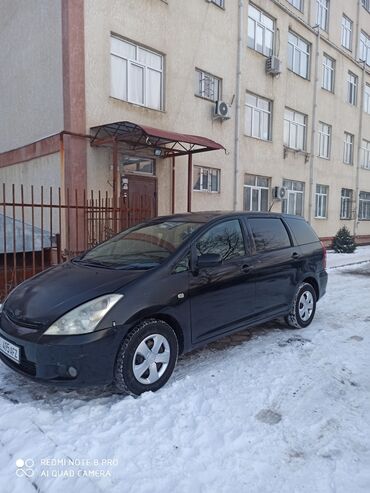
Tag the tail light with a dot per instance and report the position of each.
(323, 256)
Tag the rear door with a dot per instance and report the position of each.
(221, 297)
(275, 264)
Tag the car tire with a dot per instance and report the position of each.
(147, 358)
(303, 307)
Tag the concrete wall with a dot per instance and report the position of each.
(31, 96)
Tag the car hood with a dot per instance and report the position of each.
(44, 298)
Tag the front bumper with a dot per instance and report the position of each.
(70, 361)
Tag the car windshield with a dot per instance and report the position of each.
(141, 247)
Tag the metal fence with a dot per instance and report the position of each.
(41, 227)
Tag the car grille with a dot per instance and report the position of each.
(25, 365)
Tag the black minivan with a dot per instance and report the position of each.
(123, 311)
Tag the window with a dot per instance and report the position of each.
(136, 74)
(225, 239)
(207, 86)
(364, 206)
(324, 140)
(328, 71)
(366, 4)
(258, 117)
(367, 99)
(346, 203)
(261, 29)
(293, 202)
(321, 201)
(352, 83)
(298, 4)
(364, 48)
(322, 14)
(365, 154)
(206, 179)
(295, 125)
(302, 231)
(298, 55)
(219, 3)
(138, 165)
(269, 234)
(348, 148)
(346, 37)
(256, 193)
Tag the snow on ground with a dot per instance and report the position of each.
(361, 254)
(266, 410)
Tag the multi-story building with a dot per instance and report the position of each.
(294, 74)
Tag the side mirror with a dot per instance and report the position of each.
(208, 260)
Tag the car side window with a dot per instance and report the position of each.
(269, 234)
(225, 239)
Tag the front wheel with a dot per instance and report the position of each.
(303, 307)
(146, 358)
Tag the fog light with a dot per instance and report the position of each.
(72, 371)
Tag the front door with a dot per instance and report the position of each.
(139, 199)
(221, 297)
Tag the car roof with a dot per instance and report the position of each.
(207, 216)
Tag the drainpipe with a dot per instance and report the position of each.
(357, 40)
(237, 103)
(357, 192)
(313, 128)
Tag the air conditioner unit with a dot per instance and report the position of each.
(279, 193)
(222, 110)
(273, 65)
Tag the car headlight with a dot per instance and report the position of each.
(84, 318)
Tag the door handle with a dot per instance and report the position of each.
(246, 268)
(295, 255)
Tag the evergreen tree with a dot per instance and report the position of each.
(343, 242)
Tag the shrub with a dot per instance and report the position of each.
(343, 242)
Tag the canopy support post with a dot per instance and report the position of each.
(190, 176)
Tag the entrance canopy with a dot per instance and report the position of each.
(140, 138)
(151, 142)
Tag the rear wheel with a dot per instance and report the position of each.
(303, 307)
(146, 358)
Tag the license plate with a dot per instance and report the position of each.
(10, 350)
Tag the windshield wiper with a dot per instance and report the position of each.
(93, 263)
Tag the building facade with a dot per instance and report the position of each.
(294, 74)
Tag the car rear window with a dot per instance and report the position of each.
(269, 234)
(302, 231)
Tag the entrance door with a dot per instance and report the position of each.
(141, 198)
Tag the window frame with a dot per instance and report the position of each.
(366, 107)
(323, 6)
(198, 82)
(297, 51)
(330, 72)
(352, 88)
(346, 203)
(219, 3)
(365, 154)
(346, 32)
(321, 201)
(263, 27)
(260, 111)
(292, 194)
(142, 66)
(201, 174)
(328, 137)
(348, 145)
(364, 204)
(259, 189)
(364, 45)
(301, 3)
(296, 125)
